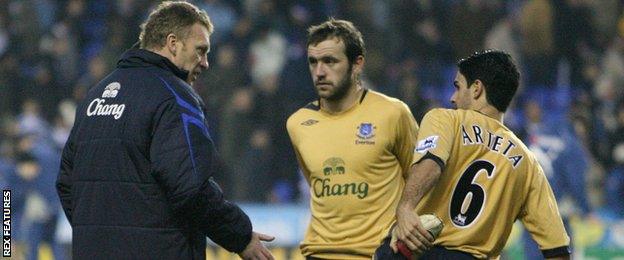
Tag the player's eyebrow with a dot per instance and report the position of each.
(323, 58)
(456, 84)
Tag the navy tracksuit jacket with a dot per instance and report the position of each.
(135, 179)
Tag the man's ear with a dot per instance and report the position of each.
(478, 89)
(171, 43)
(358, 65)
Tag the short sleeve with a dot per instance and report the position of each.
(541, 218)
(407, 130)
(435, 136)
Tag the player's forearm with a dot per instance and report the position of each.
(421, 178)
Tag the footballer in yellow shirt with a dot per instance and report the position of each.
(476, 175)
(354, 147)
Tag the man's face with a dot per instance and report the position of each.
(330, 70)
(192, 52)
(462, 97)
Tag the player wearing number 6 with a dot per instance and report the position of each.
(475, 174)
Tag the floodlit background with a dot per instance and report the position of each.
(570, 109)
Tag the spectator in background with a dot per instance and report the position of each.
(64, 57)
(604, 19)
(96, 72)
(267, 53)
(574, 38)
(45, 90)
(22, 183)
(504, 35)
(41, 209)
(612, 69)
(223, 15)
(293, 82)
(615, 175)
(5, 37)
(10, 84)
(422, 38)
(31, 121)
(257, 175)
(538, 43)
(470, 21)
(565, 162)
(269, 114)
(6, 162)
(217, 86)
(371, 16)
(237, 124)
(409, 92)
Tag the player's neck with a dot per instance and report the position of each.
(343, 104)
(492, 112)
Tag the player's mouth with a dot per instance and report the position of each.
(324, 84)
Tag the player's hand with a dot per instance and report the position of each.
(411, 232)
(255, 250)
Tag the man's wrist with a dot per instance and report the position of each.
(403, 208)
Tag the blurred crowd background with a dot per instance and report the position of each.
(570, 108)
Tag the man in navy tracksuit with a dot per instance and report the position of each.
(135, 179)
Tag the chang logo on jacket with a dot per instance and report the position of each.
(111, 90)
(98, 106)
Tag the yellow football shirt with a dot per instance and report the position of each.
(355, 163)
(489, 179)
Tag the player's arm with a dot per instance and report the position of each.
(302, 166)
(433, 149)
(540, 216)
(64, 179)
(291, 129)
(422, 177)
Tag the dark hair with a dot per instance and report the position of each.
(498, 73)
(344, 31)
(171, 17)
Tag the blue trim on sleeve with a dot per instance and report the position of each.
(197, 120)
(196, 117)
(183, 102)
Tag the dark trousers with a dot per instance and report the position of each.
(384, 252)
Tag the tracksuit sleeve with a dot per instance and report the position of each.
(183, 162)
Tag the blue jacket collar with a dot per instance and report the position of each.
(143, 58)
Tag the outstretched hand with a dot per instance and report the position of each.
(255, 250)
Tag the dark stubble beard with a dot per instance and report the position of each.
(342, 88)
